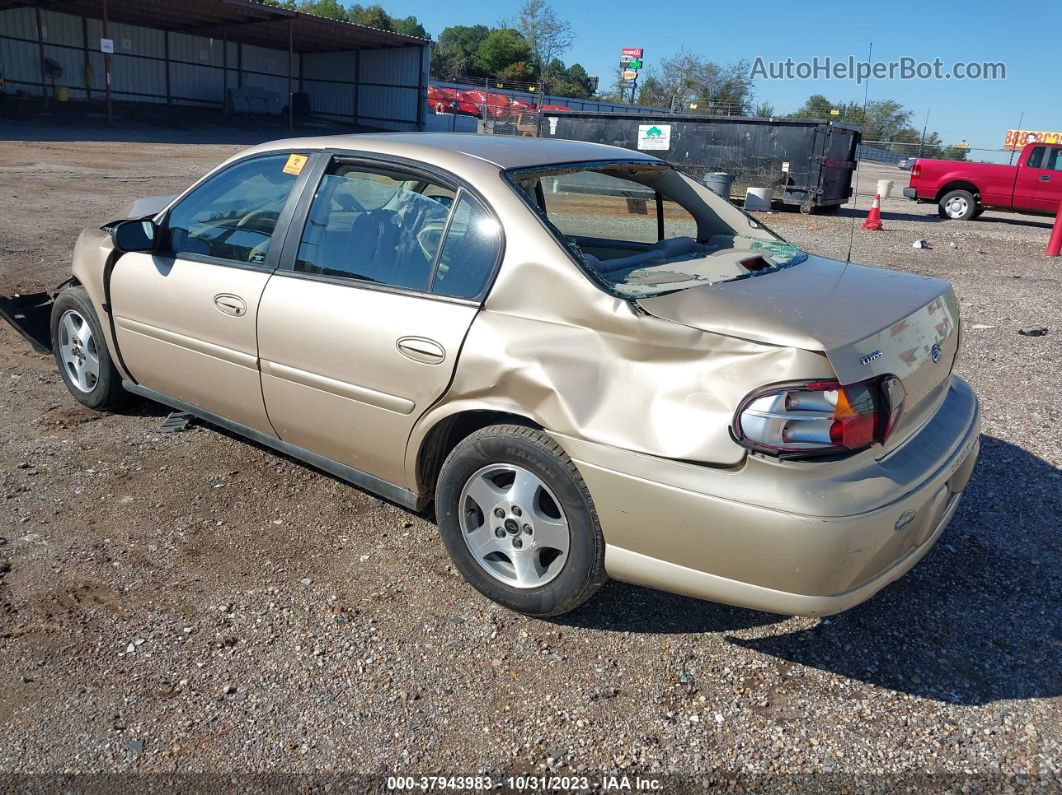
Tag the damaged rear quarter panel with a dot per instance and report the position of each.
(551, 346)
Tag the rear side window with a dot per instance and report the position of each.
(375, 226)
(469, 252)
(233, 214)
(1054, 161)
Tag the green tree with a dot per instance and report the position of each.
(547, 35)
(329, 9)
(763, 110)
(815, 107)
(688, 78)
(410, 26)
(372, 16)
(503, 47)
(457, 52)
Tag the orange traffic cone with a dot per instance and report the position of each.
(873, 221)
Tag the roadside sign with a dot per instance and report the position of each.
(633, 52)
(107, 46)
(630, 75)
(835, 111)
(1016, 139)
(634, 64)
(654, 136)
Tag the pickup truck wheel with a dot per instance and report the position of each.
(518, 522)
(958, 205)
(81, 352)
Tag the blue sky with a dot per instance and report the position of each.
(978, 110)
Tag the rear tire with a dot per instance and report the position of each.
(512, 494)
(81, 352)
(958, 205)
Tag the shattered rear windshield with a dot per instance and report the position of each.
(643, 229)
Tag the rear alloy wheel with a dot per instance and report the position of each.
(514, 526)
(958, 205)
(518, 522)
(81, 352)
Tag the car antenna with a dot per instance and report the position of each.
(855, 201)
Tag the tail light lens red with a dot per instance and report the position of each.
(916, 170)
(819, 417)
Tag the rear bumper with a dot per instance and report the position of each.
(810, 545)
(910, 193)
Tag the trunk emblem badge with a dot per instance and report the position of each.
(935, 352)
(870, 357)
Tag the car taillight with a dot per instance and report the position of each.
(916, 170)
(819, 417)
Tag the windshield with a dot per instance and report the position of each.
(643, 229)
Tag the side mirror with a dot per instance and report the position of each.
(133, 235)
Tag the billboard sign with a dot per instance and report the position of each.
(631, 52)
(629, 75)
(1017, 139)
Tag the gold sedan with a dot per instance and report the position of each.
(591, 364)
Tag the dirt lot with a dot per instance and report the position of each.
(193, 603)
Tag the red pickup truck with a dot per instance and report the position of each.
(964, 190)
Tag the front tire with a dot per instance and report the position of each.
(80, 351)
(958, 205)
(518, 522)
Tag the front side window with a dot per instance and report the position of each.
(232, 215)
(642, 228)
(1036, 157)
(373, 225)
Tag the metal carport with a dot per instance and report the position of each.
(197, 52)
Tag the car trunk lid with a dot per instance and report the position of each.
(867, 321)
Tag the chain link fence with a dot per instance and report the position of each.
(903, 155)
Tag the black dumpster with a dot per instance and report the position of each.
(806, 164)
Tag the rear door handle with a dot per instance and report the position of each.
(229, 304)
(421, 349)
(1044, 178)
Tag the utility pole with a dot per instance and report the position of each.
(924, 128)
(107, 64)
(1021, 118)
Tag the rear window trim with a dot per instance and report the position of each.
(510, 175)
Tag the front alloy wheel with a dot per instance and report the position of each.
(78, 352)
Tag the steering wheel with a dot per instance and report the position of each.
(429, 237)
(253, 220)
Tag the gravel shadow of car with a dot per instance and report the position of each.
(979, 619)
(619, 607)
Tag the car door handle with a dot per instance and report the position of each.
(229, 304)
(1045, 178)
(421, 350)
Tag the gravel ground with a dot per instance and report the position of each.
(194, 603)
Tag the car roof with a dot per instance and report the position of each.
(504, 151)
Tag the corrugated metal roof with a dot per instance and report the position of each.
(246, 21)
